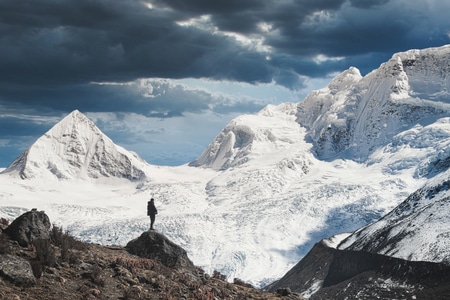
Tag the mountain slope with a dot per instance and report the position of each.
(360, 115)
(76, 148)
(272, 130)
(417, 229)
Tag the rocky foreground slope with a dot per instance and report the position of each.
(49, 264)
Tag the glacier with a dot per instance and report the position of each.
(268, 187)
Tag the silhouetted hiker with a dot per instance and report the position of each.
(152, 212)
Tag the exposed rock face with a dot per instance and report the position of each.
(3, 224)
(16, 269)
(328, 273)
(156, 246)
(30, 226)
(309, 273)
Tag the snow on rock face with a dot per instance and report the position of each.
(353, 116)
(248, 136)
(76, 148)
(418, 229)
(429, 71)
(360, 115)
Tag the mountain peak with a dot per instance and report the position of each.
(356, 115)
(249, 136)
(345, 79)
(76, 148)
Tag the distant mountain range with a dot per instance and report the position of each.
(367, 155)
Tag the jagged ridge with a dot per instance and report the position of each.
(360, 115)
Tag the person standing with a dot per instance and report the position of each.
(152, 212)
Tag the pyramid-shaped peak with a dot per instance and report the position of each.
(75, 115)
(75, 120)
(76, 112)
(75, 148)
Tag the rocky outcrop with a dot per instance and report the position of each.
(156, 246)
(30, 226)
(16, 269)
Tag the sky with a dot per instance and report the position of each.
(164, 77)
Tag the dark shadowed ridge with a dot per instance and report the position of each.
(328, 273)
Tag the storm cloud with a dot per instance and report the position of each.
(69, 42)
(121, 56)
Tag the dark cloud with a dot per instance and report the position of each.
(150, 97)
(17, 134)
(21, 128)
(367, 3)
(98, 98)
(51, 51)
(67, 42)
(349, 31)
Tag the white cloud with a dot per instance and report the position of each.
(321, 58)
(4, 142)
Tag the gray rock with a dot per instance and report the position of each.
(284, 291)
(16, 269)
(30, 226)
(159, 248)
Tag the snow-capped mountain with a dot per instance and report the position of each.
(270, 185)
(359, 115)
(253, 136)
(76, 149)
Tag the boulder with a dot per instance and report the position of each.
(30, 226)
(16, 269)
(156, 246)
